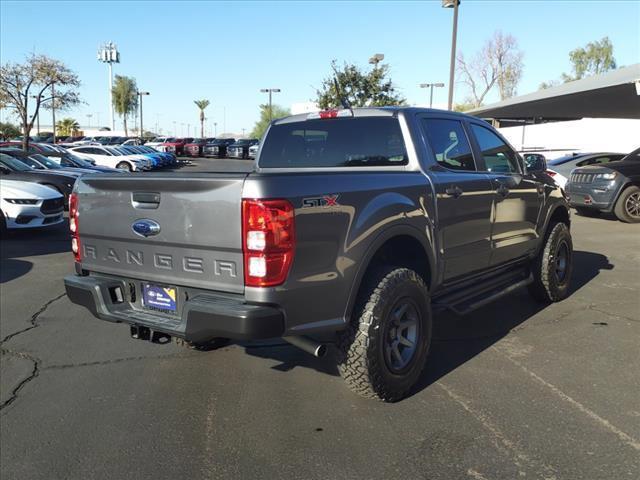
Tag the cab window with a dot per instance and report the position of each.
(498, 156)
(449, 144)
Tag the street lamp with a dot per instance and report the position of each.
(108, 53)
(452, 4)
(376, 59)
(140, 94)
(89, 120)
(270, 91)
(430, 86)
(215, 129)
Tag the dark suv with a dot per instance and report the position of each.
(240, 149)
(609, 187)
(218, 147)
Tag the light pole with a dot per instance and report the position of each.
(243, 130)
(270, 91)
(376, 59)
(215, 129)
(452, 68)
(108, 53)
(141, 94)
(188, 129)
(182, 129)
(89, 120)
(430, 86)
(175, 131)
(53, 111)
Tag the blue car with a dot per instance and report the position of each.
(156, 160)
(167, 157)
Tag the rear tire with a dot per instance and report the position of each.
(384, 349)
(124, 166)
(552, 267)
(627, 208)
(3, 225)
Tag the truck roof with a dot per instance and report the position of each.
(367, 112)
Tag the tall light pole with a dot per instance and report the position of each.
(89, 120)
(108, 53)
(215, 129)
(53, 111)
(376, 59)
(452, 68)
(141, 94)
(431, 85)
(188, 129)
(270, 91)
(175, 131)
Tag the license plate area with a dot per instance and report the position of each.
(160, 298)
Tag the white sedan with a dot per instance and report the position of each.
(29, 205)
(108, 157)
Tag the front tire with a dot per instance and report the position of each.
(124, 166)
(552, 267)
(385, 347)
(627, 208)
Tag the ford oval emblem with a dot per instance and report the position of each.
(145, 227)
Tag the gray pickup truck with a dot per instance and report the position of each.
(353, 226)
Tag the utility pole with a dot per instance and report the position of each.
(452, 67)
(270, 91)
(141, 94)
(109, 54)
(53, 111)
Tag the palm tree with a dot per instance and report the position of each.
(201, 104)
(125, 98)
(67, 126)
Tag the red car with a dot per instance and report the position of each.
(174, 145)
(195, 148)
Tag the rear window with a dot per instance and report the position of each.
(336, 142)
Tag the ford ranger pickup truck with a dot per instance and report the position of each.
(353, 226)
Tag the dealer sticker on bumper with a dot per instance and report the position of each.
(155, 296)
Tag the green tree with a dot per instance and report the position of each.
(125, 98)
(261, 125)
(202, 105)
(361, 89)
(39, 82)
(595, 58)
(67, 126)
(9, 131)
(464, 106)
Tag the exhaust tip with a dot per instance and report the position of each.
(321, 351)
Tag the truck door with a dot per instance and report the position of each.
(463, 198)
(517, 197)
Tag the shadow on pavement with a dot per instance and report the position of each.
(456, 339)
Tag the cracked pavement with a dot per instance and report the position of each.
(513, 390)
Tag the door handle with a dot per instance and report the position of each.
(454, 191)
(502, 190)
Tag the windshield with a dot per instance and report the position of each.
(45, 161)
(13, 164)
(336, 142)
(75, 161)
(30, 162)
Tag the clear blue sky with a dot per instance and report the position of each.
(227, 51)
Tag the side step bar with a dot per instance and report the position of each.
(467, 300)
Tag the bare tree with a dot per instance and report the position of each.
(498, 63)
(34, 80)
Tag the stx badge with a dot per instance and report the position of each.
(323, 201)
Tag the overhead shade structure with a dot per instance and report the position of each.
(614, 94)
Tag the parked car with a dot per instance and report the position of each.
(218, 147)
(68, 159)
(38, 161)
(608, 187)
(195, 148)
(13, 169)
(170, 158)
(157, 160)
(253, 150)
(108, 158)
(157, 141)
(394, 213)
(28, 205)
(174, 145)
(564, 165)
(240, 149)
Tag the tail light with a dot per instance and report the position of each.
(551, 173)
(74, 226)
(268, 241)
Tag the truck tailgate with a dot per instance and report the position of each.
(199, 218)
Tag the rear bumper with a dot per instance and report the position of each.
(202, 318)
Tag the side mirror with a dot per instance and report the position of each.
(535, 162)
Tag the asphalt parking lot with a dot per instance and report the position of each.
(514, 390)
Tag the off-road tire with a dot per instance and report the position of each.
(623, 205)
(124, 166)
(213, 344)
(547, 287)
(4, 231)
(361, 346)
